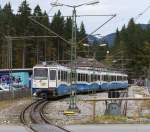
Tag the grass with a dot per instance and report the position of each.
(146, 104)
(147, 116)
(110, 119)
(6, 103)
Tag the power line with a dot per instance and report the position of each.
(52, 7)
(142, 13)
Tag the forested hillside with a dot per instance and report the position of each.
(29, 51)
(131, 51)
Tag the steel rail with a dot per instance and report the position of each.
(22, 116)
(47, 121)
(36, 115)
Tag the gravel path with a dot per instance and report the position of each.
(10, 114)
(55, 110)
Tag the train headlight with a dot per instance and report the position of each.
(34, 94)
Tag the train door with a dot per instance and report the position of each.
(52, 78)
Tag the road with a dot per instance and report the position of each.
(110, 128)
(7, 128)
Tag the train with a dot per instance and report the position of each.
(59, 80)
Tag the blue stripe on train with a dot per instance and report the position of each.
(113, 85)
(63, 89)
(94, 86)
(82, 87)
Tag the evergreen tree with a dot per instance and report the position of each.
(68, 28)
(23, 13)
(81, 34)
(57, 25)
(7, 20)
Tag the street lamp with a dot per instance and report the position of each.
(73, 48)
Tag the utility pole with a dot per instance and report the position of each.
(73, 76)
(24, 56)
(9, 42)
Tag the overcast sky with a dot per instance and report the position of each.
(124, 9)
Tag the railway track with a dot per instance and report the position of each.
(34, 118)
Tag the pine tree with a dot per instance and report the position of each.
(81, 35)
(57, 25)
(23, 13)
(68, 28)
(7, 20)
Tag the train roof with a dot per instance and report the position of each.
(53, 66)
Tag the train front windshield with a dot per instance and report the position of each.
(40, 73)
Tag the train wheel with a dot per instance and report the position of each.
(43, 95)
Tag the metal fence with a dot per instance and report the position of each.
(147, 85)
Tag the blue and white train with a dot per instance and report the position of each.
(54, 80)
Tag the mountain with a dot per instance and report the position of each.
(144, 26)
(110, 38)
(92, 39)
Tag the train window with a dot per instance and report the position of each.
(52, 74)
(59, 75)
(105, 77)
(65, 76)
(68, 77)
(99, 78)
(78, 76)
(95, 77)
(73, 76)
(62, 76)
(40, 73)
(124, 78)
(102, 77)
(86, 77)
(92, 78)
(113, 78)
(83, 77)
(119, 78)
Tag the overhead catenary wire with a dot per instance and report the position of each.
(52, 7)
(142, 13)
(111, 17)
